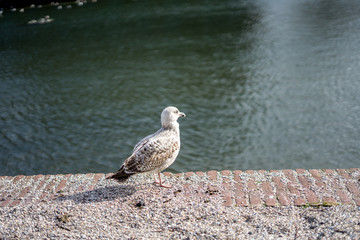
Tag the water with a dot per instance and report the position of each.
(264, 84)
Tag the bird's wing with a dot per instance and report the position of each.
(145, 140)
(152, 154)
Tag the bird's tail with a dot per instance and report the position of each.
(121, 175)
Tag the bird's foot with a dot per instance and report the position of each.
(162, 185)
(160, 182)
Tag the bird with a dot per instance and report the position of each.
(155, 152)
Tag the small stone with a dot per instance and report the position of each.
(63, 218)
(140, 203)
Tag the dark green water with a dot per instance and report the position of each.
(264, 84)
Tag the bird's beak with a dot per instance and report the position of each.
(181, 114)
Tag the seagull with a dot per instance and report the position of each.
(155, 152)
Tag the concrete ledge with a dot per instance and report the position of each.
(287, 187)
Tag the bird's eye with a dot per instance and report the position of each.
(176, 111)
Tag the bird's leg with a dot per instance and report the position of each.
(155, 181)
(162, 185)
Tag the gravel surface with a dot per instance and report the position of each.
(133, 211)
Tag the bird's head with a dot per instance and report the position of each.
(170, 115)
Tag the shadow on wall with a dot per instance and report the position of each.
(100, 194)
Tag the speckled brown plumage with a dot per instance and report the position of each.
(155, 152)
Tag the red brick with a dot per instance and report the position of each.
(212, 191)
(14, 203)
(69, 175)
(200, 174)
(283, 197)
(329, 200)
(24, 192)
(232, 192)
(189, 174)
(225, 173)
(268, 193)
(311, 196)
(42, 183)
(343, 173)
(328, 171)
(3, 194)
(37, 177)
(226, 179)
(262, 171)
(5, 202)
(344, 196)
(29, 200)
(255, 198)
(239, 190)
(90, 175)
(299, 201)
(353, 188)
(17, 178)
(237, 172)
(187, 190)
(61, 185)
(226, 185)
(275, 171)
(50, 185)
(251, 185)
(199, 189)
(241, 202)
(300, 171)
(178, 175)
(357, 200)
(212, 175)
(267, 189)
(227, 199)
(278, 183)
(270, 201)
(293, 189)
(316, 174)
(97, 177)
(320, 184)
(287, 170)
(237, 177)
(44, 196)
(333, 183)
(289, 174)
(167, 174)
(81, 188)
(304, 181)
(227, 192)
